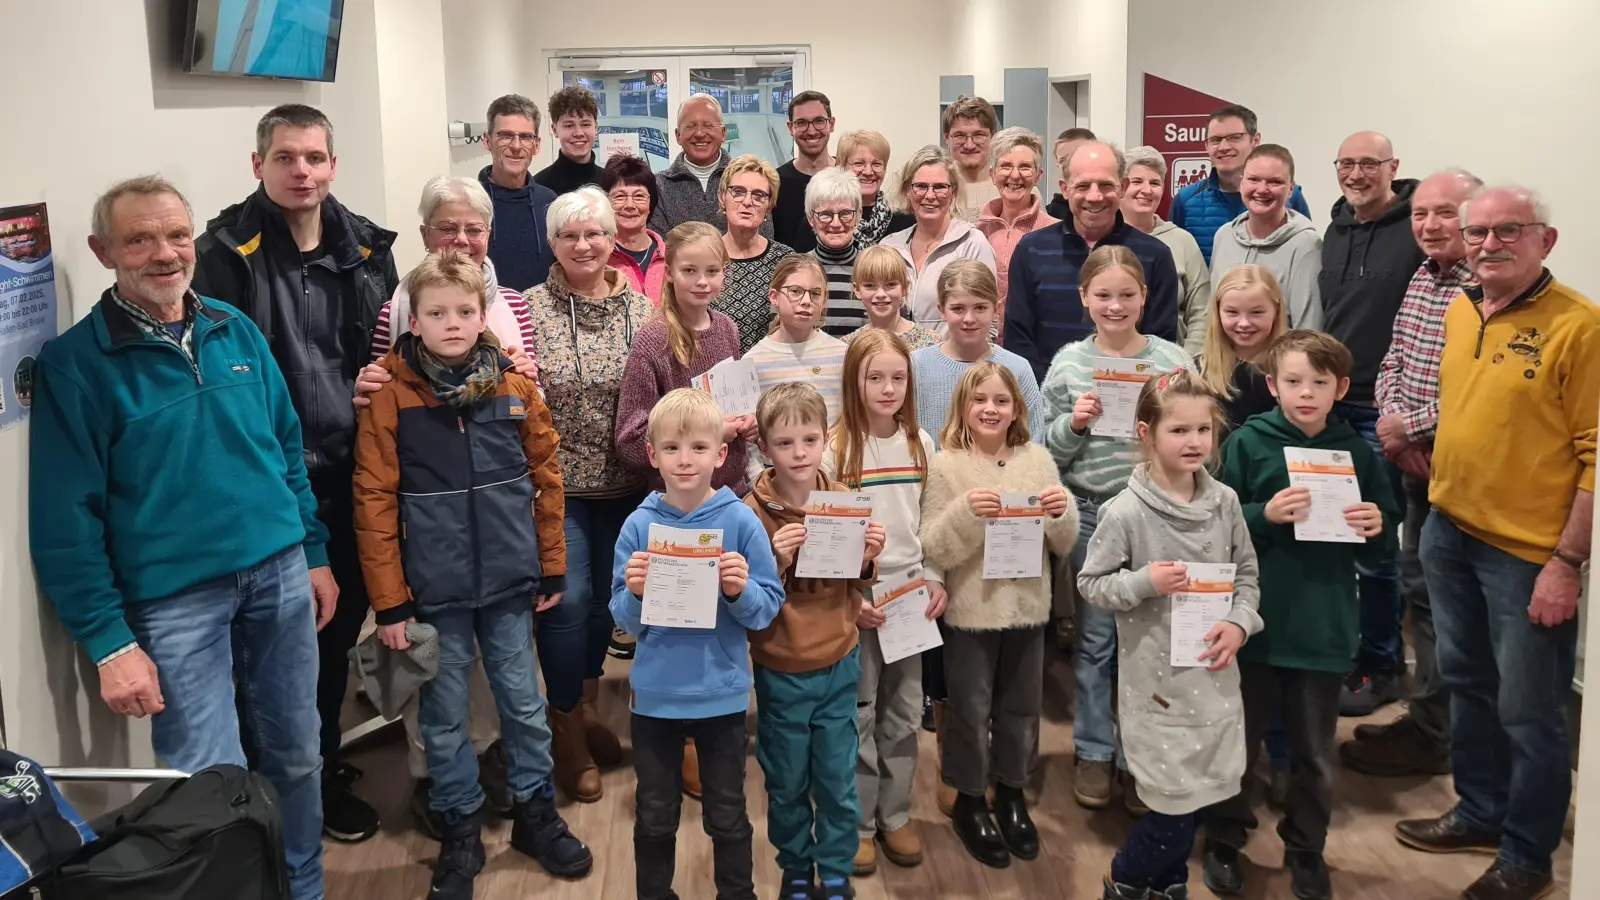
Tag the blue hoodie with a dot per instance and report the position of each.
(697, 673)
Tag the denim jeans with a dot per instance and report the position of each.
(1094, 661)
(1429, 702)
(260, 625)
(721, 743)
(1382, 610)
(1509, 681)
(504, 631)
(574, 635)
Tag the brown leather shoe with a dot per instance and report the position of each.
(1445, 834)
(1504, 881)
(901, 845)
(604, 746)
(575, 772)
(1396, 753)
(691, 769)
(866, 858)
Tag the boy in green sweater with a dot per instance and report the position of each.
(1308, 600)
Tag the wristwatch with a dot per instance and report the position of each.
(1569, 559)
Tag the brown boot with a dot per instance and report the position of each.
(901, 845)
(866, 858)
(603, 743)
(944, 795)
(691, 769)
(575, 772)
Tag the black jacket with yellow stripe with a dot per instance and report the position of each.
(317, 311)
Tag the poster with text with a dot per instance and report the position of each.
(27, 304)
(1175, 123)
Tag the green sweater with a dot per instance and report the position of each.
(1308, 588)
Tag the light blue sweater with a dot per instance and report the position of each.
(936, 375)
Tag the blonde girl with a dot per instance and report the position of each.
(1247, 315)
(1182, 718)
(879, 280)
(994, 635)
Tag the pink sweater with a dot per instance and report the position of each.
(649, 282)
(650, 372)
(1003, 238)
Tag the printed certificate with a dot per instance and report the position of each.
(1117, 383)
(683, 587)
(1205, 600)
(734, 385)
(906, 629)
(836, 535)
(1331, 477)
(1013, 542)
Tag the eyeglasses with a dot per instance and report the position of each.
(844, 216)
(1367, 166)
(817, 124)
(638, 198)
(796, 292)
(1026, 170)
(1237, 137)
(450, 231)
(592, 237)
(922, 187)
(1505, 232)
(978, 138)
(756, 196)
(507, 138)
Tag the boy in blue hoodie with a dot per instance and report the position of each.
(1294, 667)
(693, 682)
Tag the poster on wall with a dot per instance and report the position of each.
(1175, 123)
(650, 140)
(618, 143)
(27, 304)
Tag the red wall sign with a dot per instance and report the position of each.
(1175, 124)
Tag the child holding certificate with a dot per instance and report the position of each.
(484, 432)
(994, 642)
(692, 682)
(1246, 317)
(1095, 464)
(808, 668)
(880, 281)
(1308, 599)
(683, 340)
(1172, 559)
(878, 449)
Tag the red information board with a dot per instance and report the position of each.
(1175, 124)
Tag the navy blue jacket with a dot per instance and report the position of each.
(521, 258)
(1043, 310)
(1203, 207)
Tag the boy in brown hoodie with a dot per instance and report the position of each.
(807, 666)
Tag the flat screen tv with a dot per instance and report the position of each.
(295, 39)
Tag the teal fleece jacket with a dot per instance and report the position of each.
(150, 475)
(1308, 589)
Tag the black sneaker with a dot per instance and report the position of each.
(346, 818)
(798, 884)
(622, 644)
(1365, 690)
(460, 860)
(927, 715)
(493, 778)
(428, 822)
(538, 831)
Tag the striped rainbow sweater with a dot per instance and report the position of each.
(890, 475)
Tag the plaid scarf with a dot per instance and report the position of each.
(874, 222)
(155, 328)
(482, 372)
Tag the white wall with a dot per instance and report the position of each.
(411, 91)
(487, 54)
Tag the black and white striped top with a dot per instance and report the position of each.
(845, 312)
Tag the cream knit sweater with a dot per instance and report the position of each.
(952, 538)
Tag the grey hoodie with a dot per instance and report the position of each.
(1293, 253)
(1193, 712)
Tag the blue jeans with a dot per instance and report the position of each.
(574, 635)
(504, 632)
(259, 626)
(1094, 661)
(1382, 609)
(1509, 680)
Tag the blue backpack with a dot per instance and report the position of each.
(39, 829)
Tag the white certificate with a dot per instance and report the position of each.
(734, 385)
(906, 629)
(1204, 601)
(1117, 383)
(1331, 477)
(836, 535)
(1013, 542)
(683, 587)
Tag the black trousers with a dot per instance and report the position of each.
(722, 745)
(1309, 704)
(336, 509)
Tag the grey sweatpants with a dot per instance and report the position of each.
(888, 714)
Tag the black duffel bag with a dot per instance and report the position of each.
(217, 835)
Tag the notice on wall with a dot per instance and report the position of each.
(618, 143)
(1175, 123)
(27, 304)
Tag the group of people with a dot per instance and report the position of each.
(474, 454)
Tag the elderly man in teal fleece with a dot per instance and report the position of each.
(172, 522)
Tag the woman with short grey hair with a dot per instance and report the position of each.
(584, 319)
(1016, 163)
(1146, 180)
(929, 183)
(833, 208)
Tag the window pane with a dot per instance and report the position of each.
(632, 101)
(755, 104)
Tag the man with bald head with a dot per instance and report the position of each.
(1408, 401)
(688, 187)
(1368, 258)
(1044, 311)
(1513, 505)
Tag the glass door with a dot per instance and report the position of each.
(635, 99)
(754, 91)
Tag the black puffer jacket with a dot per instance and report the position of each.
(317, 314)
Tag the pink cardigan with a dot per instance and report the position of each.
(1003, 238)
(647, 283)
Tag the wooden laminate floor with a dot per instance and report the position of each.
(1367, 862)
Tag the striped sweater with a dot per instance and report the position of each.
(845, 313)
(890, 474)
(818, 362)
(936, 374)
(1091, 465)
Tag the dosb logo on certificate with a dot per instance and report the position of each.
(1117, 383)
(684, 584)
(836, 535)
(1204, 601)
(1013, 542)
(1330, 475)
(906, 629)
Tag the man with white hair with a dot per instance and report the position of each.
(688, 188)
(1513, 505)
(173, 526)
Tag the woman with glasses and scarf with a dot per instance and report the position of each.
(929, 182)
(865, 154)
(748, 191)
(833, 208)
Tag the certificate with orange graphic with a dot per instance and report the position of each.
(1013, 542)
(836, 535)
(1330, 475)
(906, 629)
(733, 384)
(683, 586)
(1117, 383)
(1204, 601)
